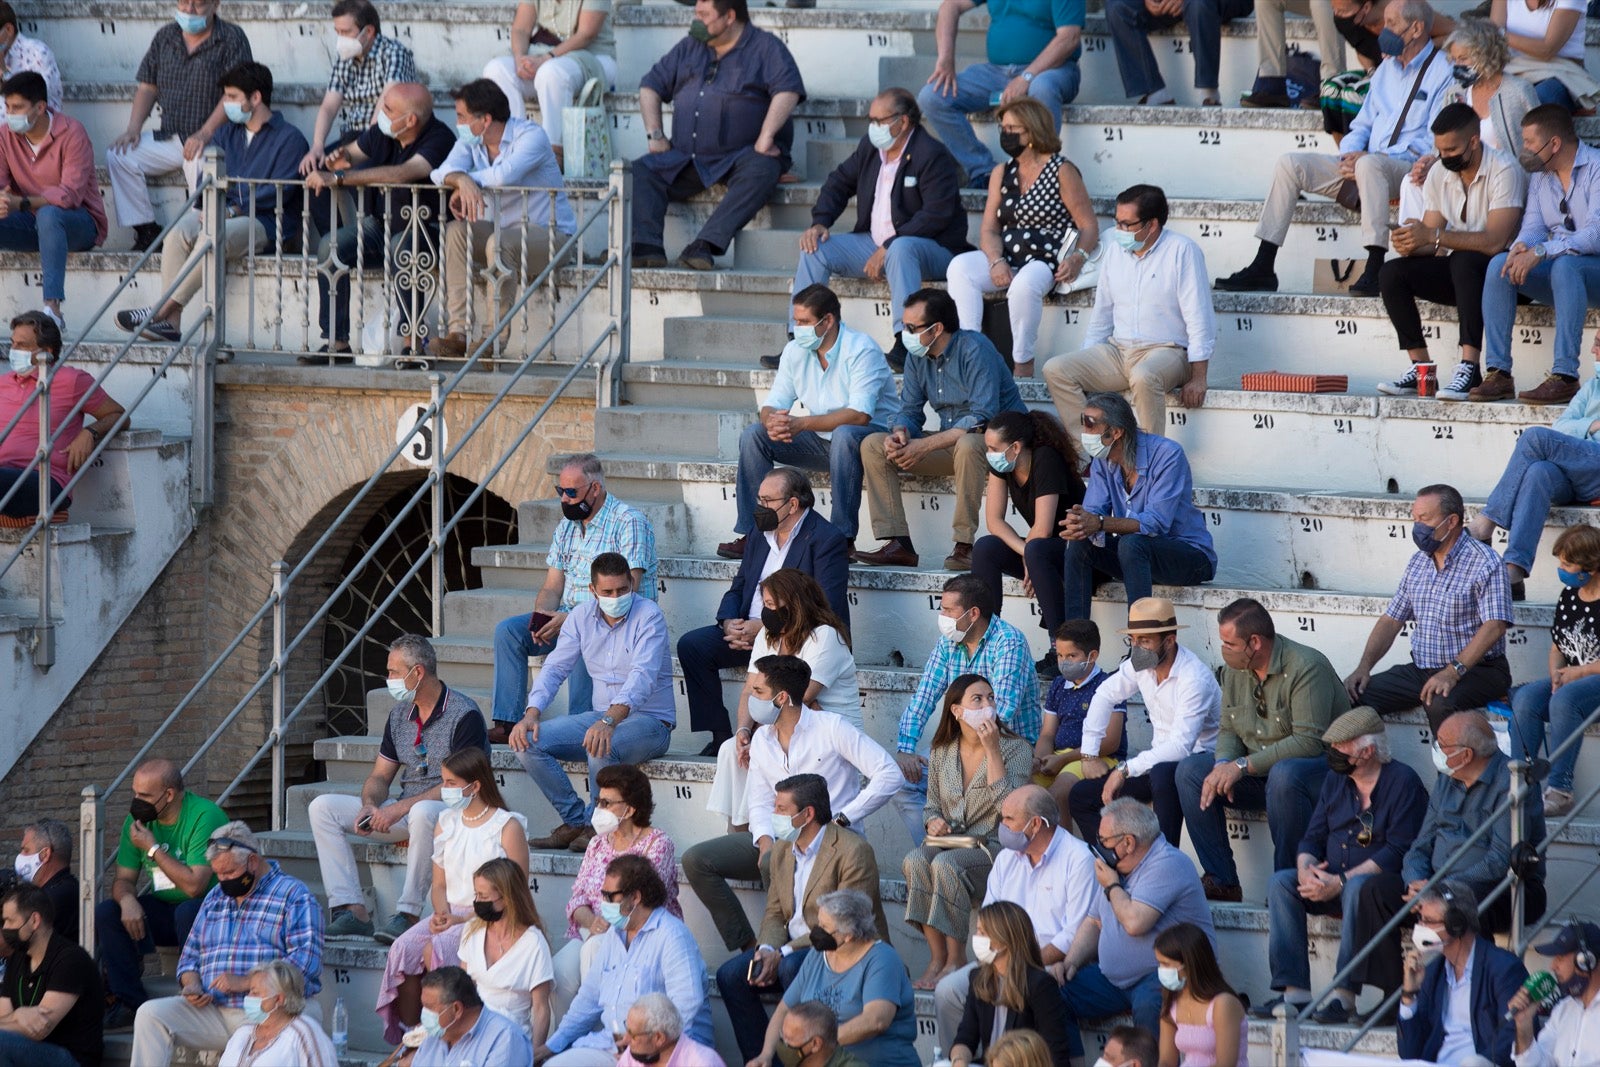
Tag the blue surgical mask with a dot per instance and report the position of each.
(190, 23)
(1015, 840)
(1094, 445)
(999, 463)
(881, 135)
(398, 690)
(913, 343)
(21, 360)
(1390, 43)
(237, 113)
(465, 135)
(615, 606)
(807, 337)
(18, 123)
(385, 124)
(430, 1023)
(454, 797)
(1170, 978)
(1572, 579)
(1127, 240)
(783, 827)
(1422, 535)
(253, 1011)
(611, 912)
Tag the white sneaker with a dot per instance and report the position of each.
(1466, 378)
(1556, 802)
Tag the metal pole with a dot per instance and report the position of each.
(1519, 772)
(436, 537)
(1287, 1054)
(280, 629)
(213, 223)
(621, 239)
(88, 864)
(44, 647)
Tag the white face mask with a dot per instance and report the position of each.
(21, 360)
(398, 690)
(783, 827)
(454, 797)
(347, 47)
(764, 712)
(1169, 978)
(1441, 760)
(28, 866)
(1093, 446)
(615, 607)
(1429, 944)
(975, 717)
(604, 821)
(950, 631)
(983, 949)
(1102, 1062)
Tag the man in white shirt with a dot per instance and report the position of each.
(832, 390)
(1044, 870)
(1185, 706)
(1152, 328)
(1573, 1033)
(793, 739)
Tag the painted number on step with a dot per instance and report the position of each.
(1306, 624)
(822, 499)
(621, 121)
(1177, 418)
(1406, 628)
(1501, 536)
(853, 598)
(1094, 44)
(1238, 831)
(533, 883)
(1305, 140)
(883, 309)
(1396, 531)
(1210, 229)
(1344, 426)
(930, 503)
(1327, 233)
(924, 1027)
(933, 602)
(1433, 332)
(1310, 525)
(32, 279)
(1182, 46)
(877, 40)
(1209, 137)
(1033, 608)
(816, 127)
(1344, 327)
(683, 792)
(653, 298)
(661, 587)
(108, 27)
(309, 29)
(1074, 316)
(1244, 324)
(683, 690)
(1261, 422)
(341, 976)
(500, 779)
(1112, 133)
(1214, 518)
(1446, 432)
(1516, 637)
(1530, 335)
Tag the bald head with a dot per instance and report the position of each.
(410, 98)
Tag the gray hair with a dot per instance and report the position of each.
(53, 832)
(1119, 416)
(1037, 803)
(1129, 816)
(852, 913)
(586, 464)
(1417, 11)
(284, 979)
(1476, 733)
(660, 1015)
(818, 1019)
(415, 649)
(243, 838)
(1459, 900)
(1484, 43)
(1379, 743)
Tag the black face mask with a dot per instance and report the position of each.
(14, 940)
(773, 620)
(645, 1057)
(1456, 164)
(1011, 143)
(238, 887)
(1339, 763)
(143, 811)
(576, 510)
(486, 911)
(766, 519)
(823, 941)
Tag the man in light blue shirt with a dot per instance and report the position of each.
(622, 638)
(647, 950)
(495, 231)
(832, 390)
(464, 1033)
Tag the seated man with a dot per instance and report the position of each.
(45, 860)
(1184, 703)
(1058, 754)
(1151, 533)
(1474, 778)
(255, 913)
(1032, 48)
(738, 133)
(972, 640)
(35, 342)
(1272, 51)
(592, 521)
(49, 198)
(1149, 886)
(404, 146)
(19, 52)
(962, 376)
(1444, 255)
(801, 539)
(909, 218)
(465, 1031)
(50, 997)
(499, 235)
(1440, 1021)
(1152, 329)
(1348, 864)
(428, 722)
(816, 858)
(1278, 698)
(1131, 22)
(1385, 139)
(833, 389)
(622, 638)
(1565, 1038)
(1050, 875)
(1554, 260)
(165, 834)
(367, 63)
(647, 950)
(824, 743)
(813, 1021)
(655, 1035)
(554, 52)
(1455, 590)
(258, 146)
(180, 73)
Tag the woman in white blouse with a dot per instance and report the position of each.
(1547, 45)
(505, 951)
(795, 621)
(275, 1032)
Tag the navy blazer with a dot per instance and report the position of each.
(819, 549)
(926, 197)
(1496, 977)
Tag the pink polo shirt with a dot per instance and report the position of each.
(62, 171)
(67, 387)
(882, 205)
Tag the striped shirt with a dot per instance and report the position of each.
(277, 919)
(1002, 658)
(616, 527)
(1449, 605)
(360, 81)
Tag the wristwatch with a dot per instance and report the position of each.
(1027, 76)
(1243, 763)
(843, 820)
(1461, 668)
(159, 846)
(656, 135)
(608, 720)
(1114, 885)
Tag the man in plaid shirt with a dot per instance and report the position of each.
(368, 64)
(255, 913)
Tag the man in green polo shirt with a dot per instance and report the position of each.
(164, 835)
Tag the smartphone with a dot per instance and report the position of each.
(365, 825)
(1108, 857)
(751, 971)
(538, 621)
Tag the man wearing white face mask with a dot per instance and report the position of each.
(622, 638)
(45, 860)
(1457, 984)
(366, 61)
(789, 738)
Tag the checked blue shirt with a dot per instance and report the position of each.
(1449, 605)
(1003, 658)
(277, 919)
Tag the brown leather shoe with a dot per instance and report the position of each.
(1215, 890)
(894, 553)
(580, 843)
(960, 559)
(1553, 390)
(1497, 385)
(448, 346)
(732, 549)
(500, 734)
(559, 838)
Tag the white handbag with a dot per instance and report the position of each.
(1089, 274)
(586, 135)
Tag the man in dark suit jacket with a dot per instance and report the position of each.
(833, 858)
(1429, 1029)
(907, 241)
(791, 534)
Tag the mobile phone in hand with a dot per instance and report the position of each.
(538, 621)
(365, 825)
(1108, 857)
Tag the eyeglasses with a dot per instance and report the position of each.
(570, 494)
(1567, 216)
(420, 745)
(602, 802)
(1131, 226)
(226, 844)
(1260, 694)
(1106, 842)
(772, 501)
(614, 896)
(913, 327)
(1089, 422)
(887, 119)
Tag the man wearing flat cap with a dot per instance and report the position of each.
(1185, 706)
(1571, 1034)
(1366, 817)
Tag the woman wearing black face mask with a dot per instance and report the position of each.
(505, 951)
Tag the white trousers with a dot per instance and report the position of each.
(968, 278)
(556, 85)
(131, 168)
(333, 815)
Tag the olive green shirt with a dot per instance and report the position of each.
(1302, 695)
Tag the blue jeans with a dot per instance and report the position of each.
(1552, 91)
(749, 185)
(840, 456)
(636, 739)
(1138, 560)
(14, 1048)
(513, 644)
(1090, 995)
(1533, 705)
(745, 1011)
(25, 502)
(1365, 904)
(1569, 284)
(52, 232)
(1546, 468)
(1130, 24)
(906, 264)
(976, 88)
(1288, 794)
(122, 958)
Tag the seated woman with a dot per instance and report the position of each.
(1057, 761)
(862, 978)
(275, 1032)
(974, 762)
(621, 820)
(505, 951)
(1035, 200)
(1565, 699)
(1010, 990)
(1546, 39)
(477, 826)
(1202, 1018)
(795, 621)
(1036, 466)
(553, 56)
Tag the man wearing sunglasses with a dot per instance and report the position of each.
(1555, 259)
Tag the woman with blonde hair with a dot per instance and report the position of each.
(505, 951)
(1020, 1048)
(1010, 990)
(1035, 200)
(276, 1033)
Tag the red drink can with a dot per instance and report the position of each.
(1427, 383)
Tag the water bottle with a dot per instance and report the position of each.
(341, 1027)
